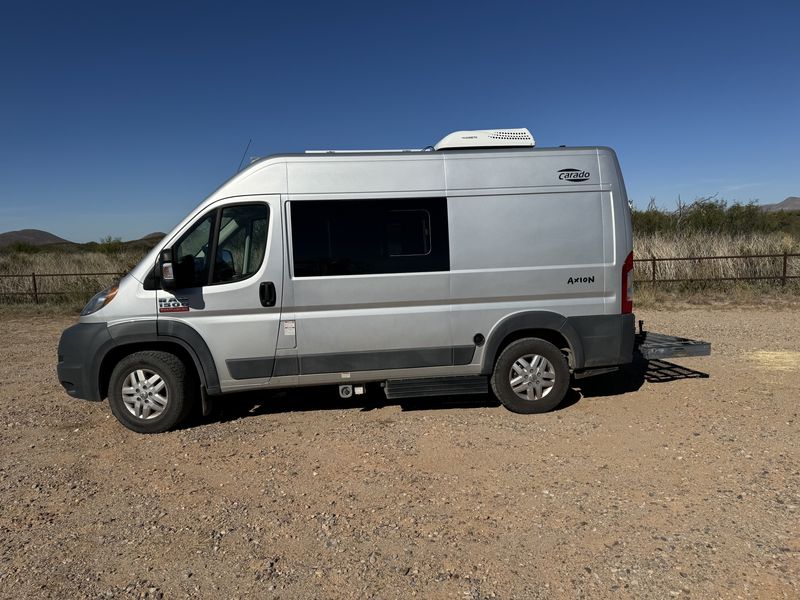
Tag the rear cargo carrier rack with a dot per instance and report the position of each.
(655, 346)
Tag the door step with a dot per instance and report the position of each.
(435, 386)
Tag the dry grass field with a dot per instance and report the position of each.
(49, 265)
(661, 245)
(24, 263)
(80, 289)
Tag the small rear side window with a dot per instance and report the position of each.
(361, 237)
(408, 232)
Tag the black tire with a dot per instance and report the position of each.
(180, 384)
(502, 376)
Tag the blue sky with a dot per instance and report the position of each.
(118, 117)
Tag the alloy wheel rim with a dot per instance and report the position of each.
(532, 377)
(145, 394)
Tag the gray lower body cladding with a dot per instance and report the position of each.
(594, 341)
(378, 360)
(84, 346)
(76, 349)
(607, 340)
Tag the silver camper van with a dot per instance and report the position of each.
(479, 263)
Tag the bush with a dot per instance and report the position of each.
(714, 216)
(21, 247)
(110, 245)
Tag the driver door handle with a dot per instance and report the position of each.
(266, 293)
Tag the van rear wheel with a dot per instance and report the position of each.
(150, 391)
(530, 376)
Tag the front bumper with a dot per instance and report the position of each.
(79, 359)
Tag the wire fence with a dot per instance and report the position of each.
(54, 287)
(779, 268)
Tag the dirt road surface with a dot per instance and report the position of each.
(651, 484)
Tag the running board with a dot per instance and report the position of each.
(435, 386)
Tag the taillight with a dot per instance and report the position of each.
(627, 285)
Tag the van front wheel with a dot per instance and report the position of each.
(150, 392)
(530, 376)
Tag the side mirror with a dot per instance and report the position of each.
(167, 269)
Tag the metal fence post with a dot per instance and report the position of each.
(785, 264)
(35, 291)
(653, 263)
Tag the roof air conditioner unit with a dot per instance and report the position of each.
(487, 138)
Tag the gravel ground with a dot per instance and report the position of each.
(654, 483)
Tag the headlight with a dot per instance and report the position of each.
(99, 300)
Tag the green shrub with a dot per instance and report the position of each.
(714, 216)
(110, 245)
(21, 247)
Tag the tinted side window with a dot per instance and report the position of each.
(360, 237)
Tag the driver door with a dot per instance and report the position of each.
(234, 300)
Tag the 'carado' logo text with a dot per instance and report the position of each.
(573, 175)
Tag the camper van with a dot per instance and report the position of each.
(480, 263)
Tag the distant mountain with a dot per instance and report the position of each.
(37, 237)
(33, 237)
(791, 203)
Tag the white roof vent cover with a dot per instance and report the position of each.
(487, 138)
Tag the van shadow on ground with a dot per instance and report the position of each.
(631, 377)
(627, 379)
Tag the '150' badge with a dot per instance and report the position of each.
(167, 305)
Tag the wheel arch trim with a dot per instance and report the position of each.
(148, 334)
(531, 320)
